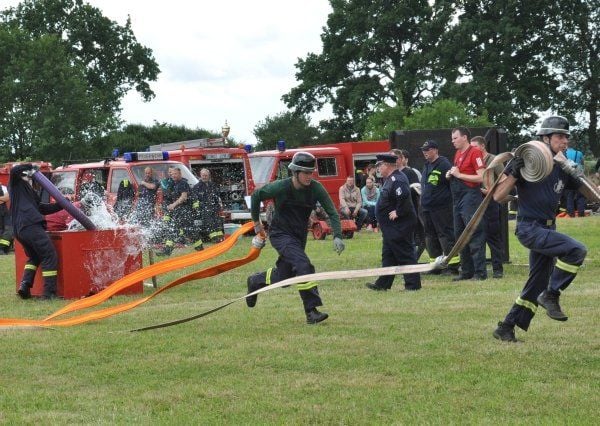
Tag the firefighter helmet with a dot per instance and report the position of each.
(554, 124)
(302, 162)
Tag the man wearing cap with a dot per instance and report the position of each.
(465, 183)
(295, 198)
(436, 206)
(554, 258)
(397, 219)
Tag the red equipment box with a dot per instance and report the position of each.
(88, 261)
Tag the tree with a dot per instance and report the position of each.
(374, 52)
(43, 101)
(137, 137)
(383, 120)
(495, 59)
(576, 49)
(294, 128)
(105, 56)
(442, 114)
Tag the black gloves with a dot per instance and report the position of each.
(517, 164)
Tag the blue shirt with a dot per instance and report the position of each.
(540, 200)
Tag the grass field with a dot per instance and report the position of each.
(396, 357)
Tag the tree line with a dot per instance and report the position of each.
(384, 65)
(506, 61)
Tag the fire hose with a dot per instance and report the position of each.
(131, 279)
(539, 162)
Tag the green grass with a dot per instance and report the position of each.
(381, 358)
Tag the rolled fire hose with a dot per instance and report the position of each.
(62, 201)
(538, 165)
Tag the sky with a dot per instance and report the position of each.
(220, 60)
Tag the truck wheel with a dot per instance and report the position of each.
(348, 234)
(317, 231)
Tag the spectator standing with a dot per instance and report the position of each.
(177, 216)
(146, 198)
(574, 199)
(554, 258)
(415, 188)
(436, 206)
(396, 218)
(465, 182)
(27, 212)
(6, 233)
(491, 218)
(370, 195)
(206, 209)
(351, 203)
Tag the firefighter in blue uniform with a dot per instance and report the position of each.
(177, 215)
(554, 258)
(294, 198)
(397, 220)
(29, 226)
(206, 209)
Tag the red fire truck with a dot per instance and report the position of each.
(110, 172)
(229, 169)
(335, 162)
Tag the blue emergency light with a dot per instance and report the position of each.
(146, 156)
(281, 145)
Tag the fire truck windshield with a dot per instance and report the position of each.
(262, 168)
(65, 181)
(161, 171)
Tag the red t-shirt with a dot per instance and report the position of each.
(468, 162)
(58, 221)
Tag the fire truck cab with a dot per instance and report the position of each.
(229, 169)
(335, 163)
(110, 173)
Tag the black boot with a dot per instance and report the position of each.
(24, 290)
(254, 283)
(549, 301)
(314, 316)
(505, 332)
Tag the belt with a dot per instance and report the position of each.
(545, 222)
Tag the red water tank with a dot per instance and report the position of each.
(88, 261)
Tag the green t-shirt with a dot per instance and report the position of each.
(279, 191)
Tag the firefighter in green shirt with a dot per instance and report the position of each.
(294, 198)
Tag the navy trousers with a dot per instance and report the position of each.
(554, 259)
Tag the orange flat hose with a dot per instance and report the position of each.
(149, 271)
(153, 270)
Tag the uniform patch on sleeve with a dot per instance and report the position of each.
(399, 191)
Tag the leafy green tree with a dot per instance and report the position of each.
(137, 137)
(575, 52)
(374, 52)
(103, 56)
(442, 114)
(44, 107)
(384, 120)
(294, 128)
(494, 59)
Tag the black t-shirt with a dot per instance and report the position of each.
(435, 188)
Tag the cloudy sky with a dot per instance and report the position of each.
(220, 60)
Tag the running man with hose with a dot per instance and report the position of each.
(295, 198)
